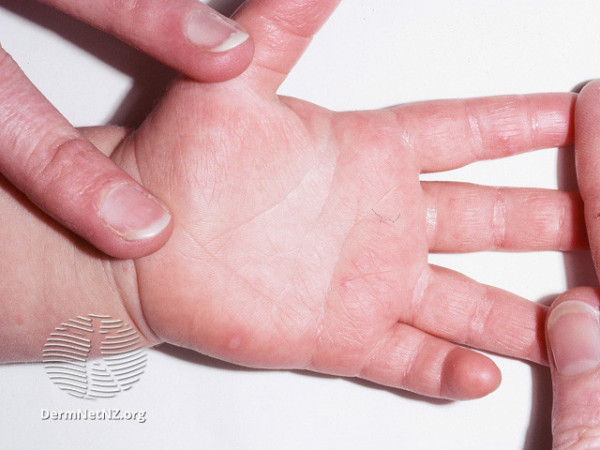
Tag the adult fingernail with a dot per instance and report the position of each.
(574, 336)
(132, 213)
(214, 32)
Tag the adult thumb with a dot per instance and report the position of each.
(573, 341)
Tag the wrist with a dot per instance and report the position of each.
(49, 276)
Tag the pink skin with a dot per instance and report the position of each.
(60, 171)
(573, 328)
(159, 28)
(301, 236)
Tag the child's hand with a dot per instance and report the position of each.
(60, 171)
(301, 236)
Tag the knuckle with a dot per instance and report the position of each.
(47, 163)
(474, 126)
(499, 232)
(482, 314)
(127, 10)
(124, 6)
(68, 163)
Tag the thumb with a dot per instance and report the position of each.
(62, 173)
(573, 339)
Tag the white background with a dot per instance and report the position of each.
(372, 53)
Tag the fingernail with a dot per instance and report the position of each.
(574, 336)
(132, 213)
(214, 32)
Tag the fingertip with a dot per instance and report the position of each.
(100, 202)
(586, 106)
(70, 180)
(188, 35)
(214, 67)
(220, 48)
(128, 222)
(573, 333)
(212, 32)
(469, 375)
(125, 245)
(583, 294)
(119, 247)
(132, 213)
(588, 87)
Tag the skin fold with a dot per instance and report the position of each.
(60, 171)
(301, 236)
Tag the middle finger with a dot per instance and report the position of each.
(463, 217)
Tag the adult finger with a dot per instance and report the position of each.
(573, 341)
(449, 134)
(464, 217)
(587, 160)
(281, 29)
(184, 34)
(68, 178)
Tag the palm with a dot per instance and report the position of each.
(271, 229)
(301, 236)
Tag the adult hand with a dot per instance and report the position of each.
(187, 35)
(573, 334)
(61, 171)
(573, 327)
(301, 236)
